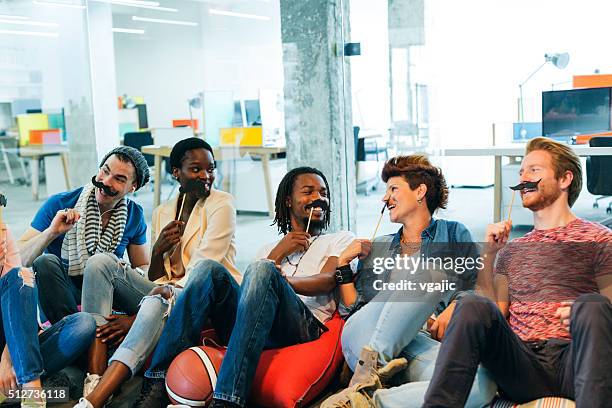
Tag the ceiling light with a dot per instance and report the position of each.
(31, 23)
(58, 4)
(234, 14)
(15, 17)
(128, 30)
(130, 2)
(32, 33)
(158, 8)
(162, 21)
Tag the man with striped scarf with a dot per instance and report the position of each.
(72, 228)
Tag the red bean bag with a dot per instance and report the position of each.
(294, 376)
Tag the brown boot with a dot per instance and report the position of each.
(365, 380)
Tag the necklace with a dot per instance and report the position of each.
(302, 256)
(409, 247)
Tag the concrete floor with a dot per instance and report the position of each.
(472, 206)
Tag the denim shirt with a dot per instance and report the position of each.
(433, 237)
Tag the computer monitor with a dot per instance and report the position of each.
(143, 122)
(253, 115)
(576, 112)
(237, 119)
(21, 106)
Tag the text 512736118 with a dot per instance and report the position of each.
(52, 394)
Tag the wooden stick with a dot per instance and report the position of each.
(181, 210)
(511, 203)
(309, 218)
(379, 220)
(2, 202)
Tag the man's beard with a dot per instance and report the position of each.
(544, 199)
(315, 225)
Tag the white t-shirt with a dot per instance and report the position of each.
(311, 263)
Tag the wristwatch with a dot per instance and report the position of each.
(344, 275)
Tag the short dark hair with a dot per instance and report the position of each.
(282, 216)
(180, 148)
(416, 170)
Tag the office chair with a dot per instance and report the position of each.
(599, 171)
(137, 140)
(6, 151)
(366, 180)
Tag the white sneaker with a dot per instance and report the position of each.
(30, 403)
(91, 382)
(83, 403)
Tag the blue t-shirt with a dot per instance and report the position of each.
(135, 226)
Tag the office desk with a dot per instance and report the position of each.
(222, 154)
(513, 152)
(35, 153)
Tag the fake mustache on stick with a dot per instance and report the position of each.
(193, 185)
(519, 187)
(322, 204)
(107, 190)
(526, 184)
(3, 202)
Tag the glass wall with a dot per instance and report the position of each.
(432, 74)
(439, 74)
(220, 66)
(47, 137)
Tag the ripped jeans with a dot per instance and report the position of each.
(34, 355)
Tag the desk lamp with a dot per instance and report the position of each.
(558, 60)
(194, 102)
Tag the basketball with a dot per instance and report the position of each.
(192, 376)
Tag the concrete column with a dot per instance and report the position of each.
(103, 78)
(318, 118)
(406, 29)
(77, 94)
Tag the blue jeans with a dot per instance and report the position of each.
(33, 355)
(270, 315)
(421, 354)
(109, 281)
(386, 326)
(210, 293)
(392, 328)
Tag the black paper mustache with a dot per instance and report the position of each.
(3, 200)
(193, 185)
(526, 184)
(107, 190)
(318, 203)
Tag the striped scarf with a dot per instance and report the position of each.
(87, 237)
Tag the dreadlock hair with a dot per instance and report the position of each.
(282, 216)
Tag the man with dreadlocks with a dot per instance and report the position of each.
(287, 294)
